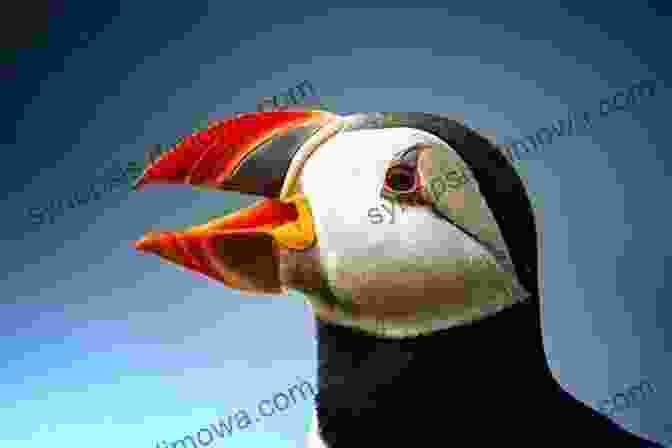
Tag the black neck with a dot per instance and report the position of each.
(484, 380)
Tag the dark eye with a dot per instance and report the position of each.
(400, 178)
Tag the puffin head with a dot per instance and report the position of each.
(391, 223)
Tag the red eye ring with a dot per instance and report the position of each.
(401, 177)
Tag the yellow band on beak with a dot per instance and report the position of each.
(299, 234)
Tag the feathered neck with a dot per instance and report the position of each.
(488, 381)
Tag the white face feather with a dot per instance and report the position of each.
(412, 262)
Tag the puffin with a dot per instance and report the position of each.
(414, 243)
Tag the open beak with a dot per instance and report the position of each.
(255, 153)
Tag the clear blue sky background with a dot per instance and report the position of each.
(104, 347)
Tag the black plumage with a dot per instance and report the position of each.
(487, 383)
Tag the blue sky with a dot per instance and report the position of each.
(108, 347)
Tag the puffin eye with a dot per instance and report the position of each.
(400, 178)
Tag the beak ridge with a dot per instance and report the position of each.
(212, 157)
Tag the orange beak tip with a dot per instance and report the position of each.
(146, 245)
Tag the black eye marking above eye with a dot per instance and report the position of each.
(409, 155)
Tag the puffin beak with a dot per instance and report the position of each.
(254, 153)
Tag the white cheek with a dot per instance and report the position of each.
(342, 181)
